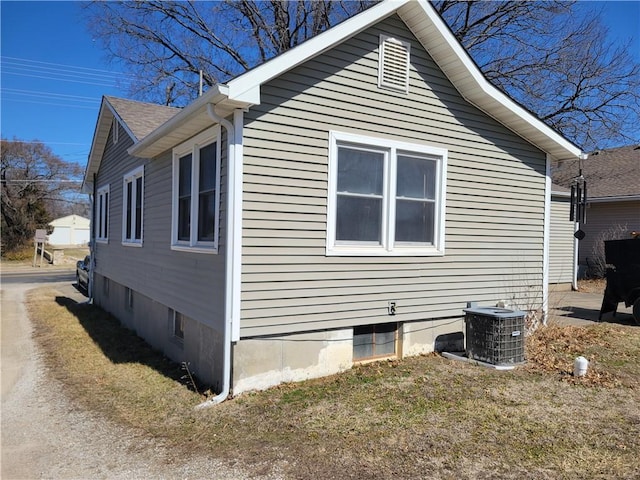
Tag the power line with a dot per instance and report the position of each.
(34, 93)
(23, 67)
(50, 143)
(48, 77)
(63, 65)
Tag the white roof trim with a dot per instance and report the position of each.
(463, 72)
(247, 83)
(433, 33)
(620, 198)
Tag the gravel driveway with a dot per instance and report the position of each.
(44, 435)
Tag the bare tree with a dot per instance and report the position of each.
(552, 57)
(35, 183)
(555, 59)
(167, 44)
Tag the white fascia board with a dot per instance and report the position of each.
(247, 85)
(105, 116)
(211, 96)
(625, 198)
(463, 72)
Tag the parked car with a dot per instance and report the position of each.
(82, 273)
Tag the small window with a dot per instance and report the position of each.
(133, 196)
(385, 197)
(105, 286)
(114, 130)
(128, 298)
(196, 193)
(178, 325)
(393, 64)
(102, 214)
(374, 341)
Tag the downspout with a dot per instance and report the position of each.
(574, 278)
(92, 240)
(234, 175)
(546, 240)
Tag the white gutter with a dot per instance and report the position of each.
(180, 118)
(233, 245)
(621, 198)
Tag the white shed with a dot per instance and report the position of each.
(70, 230)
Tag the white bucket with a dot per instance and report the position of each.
(580, 367)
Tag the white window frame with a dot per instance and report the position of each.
(388, 245)
(102, 214)
(131, 178)
(193, 147)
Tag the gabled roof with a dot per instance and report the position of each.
(610, 174)
(140, 118)
(137, 118)
(430, 30)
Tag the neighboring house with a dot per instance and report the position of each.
(563, 246)
(71, 230)
(340, 203)
(613, 203)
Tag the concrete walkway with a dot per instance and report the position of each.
(579, 308)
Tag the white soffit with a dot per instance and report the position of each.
(457, 65)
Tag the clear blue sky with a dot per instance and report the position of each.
(54, 74)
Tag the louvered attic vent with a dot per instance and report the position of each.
(393, 64)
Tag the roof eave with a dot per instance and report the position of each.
(459, 67)
(618, 198)
(429, 29)
(185, 124)
(98, 143)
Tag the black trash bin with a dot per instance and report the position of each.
(495, 335)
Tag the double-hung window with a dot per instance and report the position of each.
(133, 196)
(196, 193)
(102, 214)
(385, 197)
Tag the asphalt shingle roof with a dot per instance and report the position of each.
(141, 118)
(614, 172)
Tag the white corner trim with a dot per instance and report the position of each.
(236, 257)
(546, 240)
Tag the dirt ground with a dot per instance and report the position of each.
(45, 435)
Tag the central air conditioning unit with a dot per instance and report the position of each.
(495, 335)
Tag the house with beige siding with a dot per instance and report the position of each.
(613, 204)
(563, 245)
(339, 203)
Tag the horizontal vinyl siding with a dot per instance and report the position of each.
(561, 244)
(190, 283)
(605, 221)
(494, 206)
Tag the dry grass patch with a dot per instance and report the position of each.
(422, 417)
(596, 285)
